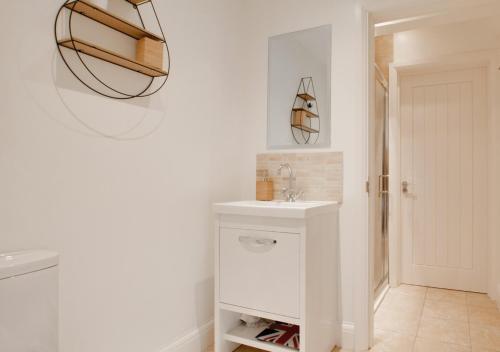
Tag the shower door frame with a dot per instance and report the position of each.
(380, 191)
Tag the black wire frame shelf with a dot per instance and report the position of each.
(301, 115)
(79, 46)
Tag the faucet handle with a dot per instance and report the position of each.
(296, 195)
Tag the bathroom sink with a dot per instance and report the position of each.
(282, 209)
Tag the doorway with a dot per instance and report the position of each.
(444, 142)
(439, 195)
(443, 193)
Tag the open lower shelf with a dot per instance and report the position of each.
(246, 336)
(306, 97)
(265, 315)
(306, 128)
(114, 58)
(307, 112)
(138, 2)
(102, 16)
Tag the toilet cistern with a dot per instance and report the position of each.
(290, 194)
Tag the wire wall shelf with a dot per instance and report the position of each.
(304, 117)
(149, 48)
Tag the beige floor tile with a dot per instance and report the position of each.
(442, 330)
(402, 322)
(485, 336)
(484, 316)
(396, 300)
(445, 310)
(449, 296)
(412, 290)
(389, 341)
(424, 345)
(482, 349)
(479, 300)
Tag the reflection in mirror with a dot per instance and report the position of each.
(299, 89)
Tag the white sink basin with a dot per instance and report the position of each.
(281, 209)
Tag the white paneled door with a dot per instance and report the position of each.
(444, 179)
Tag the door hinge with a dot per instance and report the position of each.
(367, 186)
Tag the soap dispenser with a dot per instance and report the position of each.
(264, 185)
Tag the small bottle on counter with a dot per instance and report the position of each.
(264, 187)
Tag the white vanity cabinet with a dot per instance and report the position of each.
(278, 261)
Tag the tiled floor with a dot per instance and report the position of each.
(421, 319)
(248, 349)
(241, 349)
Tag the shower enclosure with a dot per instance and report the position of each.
(381, 242)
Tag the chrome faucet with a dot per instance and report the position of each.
(290, 194)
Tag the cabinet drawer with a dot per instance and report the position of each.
(260, 270)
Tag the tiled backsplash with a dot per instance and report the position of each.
(318, 175)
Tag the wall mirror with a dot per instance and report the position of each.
(299, 89)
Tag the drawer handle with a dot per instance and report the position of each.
(257, 242)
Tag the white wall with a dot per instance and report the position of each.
(348, 134)
(131, 218)
(473, 41)
(448, 39)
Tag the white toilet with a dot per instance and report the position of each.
(29, 301)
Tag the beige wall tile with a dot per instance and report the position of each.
(318, 175)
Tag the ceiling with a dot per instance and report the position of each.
(390, 10)
(391, 16)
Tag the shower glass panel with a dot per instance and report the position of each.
(381, 260)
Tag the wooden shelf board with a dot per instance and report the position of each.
(246, 336)
(305, 128)
(308, 113)
(102, 16)
(269, 316)
(109, 56)
(306, 97)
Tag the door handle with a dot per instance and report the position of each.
(258, 242)
(383, 185)
(404, 187)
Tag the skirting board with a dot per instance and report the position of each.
(347, 335)
(197, 340)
